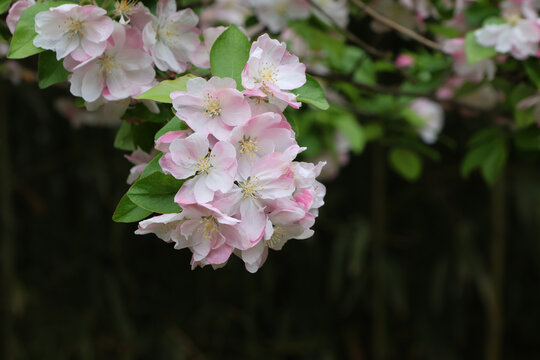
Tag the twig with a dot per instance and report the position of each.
(349, 35)
(392, 24)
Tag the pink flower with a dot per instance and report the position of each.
(15, 12)
(172, 37)
(201, 56)
(79, 31)
(337, 10)
(122, 71)
(164, 142)
(404, 61)
(166, 227)
(140, 159)
(214, 170)
(433, 117)
(275, 14)
(225, 11)
(475, 72)
(214, 107)
(262, 135)
(271, 71)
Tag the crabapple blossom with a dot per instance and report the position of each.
(166, 227)
(201, 56)
(123, 70)
(171, 37)
(473, 72)
(335, 9)
(214, 170)
(79, 31)
(276, 13)
(140, 159)
(433, 116)
(404, 61)
(226, 11)
(211, 107)
(15, 12)
(271, 71)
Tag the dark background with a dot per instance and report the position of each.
(396, 270)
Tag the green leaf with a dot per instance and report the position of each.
(127, 212)
(528, 140)
(488, 153)
(141, 112)
(352, 130)
(312, 93)
(4, 5)
(22, 42)
(156, 192)
(446, 31)
(229, 55)
(124, 137)
(406, 163)
(174, 124)
(161, 92)
(153, 166)
(533, 70)
(365, 73)
(50, 70)
(131, 135)
(476, 52)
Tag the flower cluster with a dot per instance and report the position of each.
(243, 192)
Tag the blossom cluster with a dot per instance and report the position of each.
(243, 192)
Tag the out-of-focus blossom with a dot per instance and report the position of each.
(15, 12)
(201, 56)
(140, 160)
(337, 10)
(472, 72)
(271, 71)
(275, 14)
(171, 37)
(433, 117)
(404, 61)
(122, 71)
(311, 58)
(226, 12)
(423, 8)
(531, 101)
(79, 31)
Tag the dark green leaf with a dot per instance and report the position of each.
(533, 70)
(50, 70)
(126, 211)
(141, 112)
(406, 163)
(4, 5)
(124, 137)
(156, 193)
(229, 54)
(153, 166)
(312, 93)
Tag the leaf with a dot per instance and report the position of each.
(124, 137)
(476, 52)
(130, 136)
(161, 92)
(22, 42)
(127, 212)
(229, 55)
(353, 131)
(406, 163)
(312, 93)
(50, 70)
(156, 192)
(533, 70)
(4, 5)
(153, 166)
(488, 153)
(365, 73)
(141, 112)
(528, 140)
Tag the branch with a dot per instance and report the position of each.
(392, 24)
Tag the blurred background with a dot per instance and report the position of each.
(395, 270)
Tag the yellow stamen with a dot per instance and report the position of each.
(212, 106)
(208, 227)
(249, 147)
(250, 188)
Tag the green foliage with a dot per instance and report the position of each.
(488, 153)
(229, 55)
(156, 192)
(127, 212)
(162, 91)
(533, 70)
(522, 117)
(4, 5)
(50, 70)
(132, 135)
(173, 125)
(22, 42)
(406, 163)
(153, 166)
(476, 52)
(527, 139)
(312, 93)
(141, 112)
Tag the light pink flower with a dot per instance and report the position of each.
(337, 10)
(214, 107)
(79, 31)
(201, 56)
(262, 135)
(275, 14)
(271, 71)
(140, 159)
(214, 170)
(171, 37)
(166, 227)
(404, 61)
(433, 117)
(122, 71)
(225, 11)
(164, 142)
(15, 12)
(472, 72)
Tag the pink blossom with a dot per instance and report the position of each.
(404, 61)
(433, 117)
(262, 135)
(225, 11)
(15, 12)
(171, 37)
(166, 227)
(201, 56)
(122, 71)
(214, 170)
(275, 14)
(140, 159)
(164, 142)
(473, 72)
(212, 107)
(271, 71)
(337, 10)
(79, 31)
